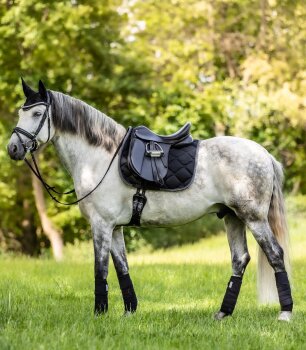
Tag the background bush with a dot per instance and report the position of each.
(234, 67)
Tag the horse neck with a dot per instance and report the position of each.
(85, 163)
(75, 151)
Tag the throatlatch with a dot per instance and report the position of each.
(231, 295)
(101, 296)
(284, 291)
(128, 293)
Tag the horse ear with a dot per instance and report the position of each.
(42, 90)
(26, 89)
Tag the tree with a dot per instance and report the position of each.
(76, 48)
(234, 67)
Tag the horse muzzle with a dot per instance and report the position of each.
(16, 150)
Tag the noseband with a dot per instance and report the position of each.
(32, 144)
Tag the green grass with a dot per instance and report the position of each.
(45, 305)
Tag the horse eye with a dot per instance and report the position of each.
(37, 114)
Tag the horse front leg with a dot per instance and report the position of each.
(102, 238)
(236, 234)
(118, 253)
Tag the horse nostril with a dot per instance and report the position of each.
(15, 151)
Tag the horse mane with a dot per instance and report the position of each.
(70, 115)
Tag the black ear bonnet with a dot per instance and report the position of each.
(34, 98)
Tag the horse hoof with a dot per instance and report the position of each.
(285, 316)
(219, 316)
(100, 310)
(128, 313)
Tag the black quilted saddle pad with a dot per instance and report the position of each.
(181, 168)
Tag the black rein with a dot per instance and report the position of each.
(34, 145)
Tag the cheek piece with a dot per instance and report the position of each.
(32, 144)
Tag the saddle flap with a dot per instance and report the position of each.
(147, 167)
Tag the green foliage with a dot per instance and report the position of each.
(157, 238)
(233, 67)
(190, 233)
(230, 67)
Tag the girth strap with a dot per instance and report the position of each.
(139, 201)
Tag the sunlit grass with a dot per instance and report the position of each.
(44, 305)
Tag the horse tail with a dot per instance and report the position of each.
(277, 219)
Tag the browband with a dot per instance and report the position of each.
(26, 108)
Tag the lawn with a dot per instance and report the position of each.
(48, 305)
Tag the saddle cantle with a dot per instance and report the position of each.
(149, 161)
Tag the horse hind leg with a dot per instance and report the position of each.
(236, 233)
(265, 238)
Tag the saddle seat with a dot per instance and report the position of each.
(148, 152)
(146, 134)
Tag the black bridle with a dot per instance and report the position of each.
(32, 145)
(32, 137)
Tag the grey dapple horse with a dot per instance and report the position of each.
(230, 173)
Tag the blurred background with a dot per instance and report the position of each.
(231, 67)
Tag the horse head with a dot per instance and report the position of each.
(34, 126)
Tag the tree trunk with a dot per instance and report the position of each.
(261, 40)
(47, 226)
(296, 187)
(27, 238)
